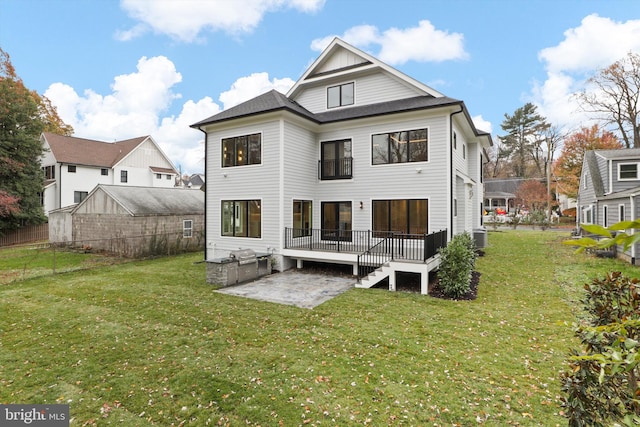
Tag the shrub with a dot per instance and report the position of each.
(457, 261)
(602, 383)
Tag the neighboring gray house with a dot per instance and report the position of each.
(610, 190)
(132, 221)
(356, 160)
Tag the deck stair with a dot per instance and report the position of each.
(376, 276)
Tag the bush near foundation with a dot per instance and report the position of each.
(457, 262)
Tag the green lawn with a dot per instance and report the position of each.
(149, 343)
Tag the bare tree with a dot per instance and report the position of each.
(614, 97)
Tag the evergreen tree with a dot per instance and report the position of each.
(525, 132)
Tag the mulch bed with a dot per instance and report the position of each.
(436, 292)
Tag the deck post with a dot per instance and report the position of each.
(392, 281)
(424, 283)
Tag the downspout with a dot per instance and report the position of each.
(451, 178)
(60, 187)
(206, 138)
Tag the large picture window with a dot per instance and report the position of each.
(408, 216)
(242, 150)
(242, 218)
(302, 218)
(336, 221)
(399, 147)
(341, 95)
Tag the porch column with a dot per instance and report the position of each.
(299, 263)
(424, 283)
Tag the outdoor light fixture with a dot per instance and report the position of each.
(418, 170)
(361, 205)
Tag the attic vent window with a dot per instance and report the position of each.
(341, 95)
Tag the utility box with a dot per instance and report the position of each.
(480, 237)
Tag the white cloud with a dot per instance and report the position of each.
(423, 43)
(135, 107)
(248, 87)
(138, 104)
(596, 43)
(482, 124)
(186, 19)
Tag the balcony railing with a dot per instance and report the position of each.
(335, 168)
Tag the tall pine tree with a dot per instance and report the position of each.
(24, 115)
(525, 129)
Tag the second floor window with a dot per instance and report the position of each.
(71, 168)
(124, 176)
(335, 159)
(242, 150)
(627, 171)
(341, 95)
(49, 172)
(399, 147)
(104, 172)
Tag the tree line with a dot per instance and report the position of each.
(533, 148)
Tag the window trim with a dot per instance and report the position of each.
(79, 196)
(187, 231)
(341, 102)
(303, 229)
(347, 162)
(408, 224)
(244, 216)
(587, 214)
(605, 216)
(621, 212)
(408, 154)
(234, 155)
(637, 167)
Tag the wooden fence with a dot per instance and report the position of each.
(29, 234)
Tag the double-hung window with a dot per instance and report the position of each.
(79, 196)
(399, 147)
(242, 150)
(187, 228)
(124, 176)
(627, 171)
(340, 95)
(242, 218)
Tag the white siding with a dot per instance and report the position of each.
(340, 59)
(84, 179)
(253, 182)
(369, 89)
(145, 155)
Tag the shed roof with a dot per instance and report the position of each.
(145, 201)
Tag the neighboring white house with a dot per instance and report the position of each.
(358, 158)
(74, 166)
(610, 191)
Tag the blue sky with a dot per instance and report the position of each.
(121, 69)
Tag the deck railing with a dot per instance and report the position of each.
(399, 246)
(374, 247)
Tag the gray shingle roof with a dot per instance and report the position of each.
(275, 101)
(594, 172)
(142, 201)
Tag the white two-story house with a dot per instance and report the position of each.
(357, 164)
(610, 191)
(74, 166)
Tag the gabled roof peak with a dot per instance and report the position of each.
(332, 62)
